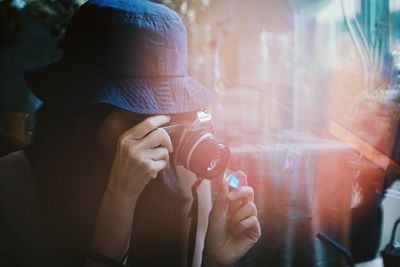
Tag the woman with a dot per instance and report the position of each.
(95, 188)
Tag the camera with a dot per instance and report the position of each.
(196, 148)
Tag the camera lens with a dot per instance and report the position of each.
(204, 154)
(214, 162)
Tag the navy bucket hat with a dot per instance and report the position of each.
(131, 54)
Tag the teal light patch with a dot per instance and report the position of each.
(234, 182)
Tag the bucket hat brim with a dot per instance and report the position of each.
(63, 88)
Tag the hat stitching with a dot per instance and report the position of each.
(108, 12)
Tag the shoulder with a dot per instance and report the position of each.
(16, 180)
(16, 183)
(20, 217)
(14, 164)
(16, 171)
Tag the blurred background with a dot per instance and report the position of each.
(308, 101)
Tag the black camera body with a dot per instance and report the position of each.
(196, 148)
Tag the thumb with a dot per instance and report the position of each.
(221, 203)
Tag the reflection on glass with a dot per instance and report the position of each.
(286, 71)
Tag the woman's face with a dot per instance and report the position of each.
(118, 121)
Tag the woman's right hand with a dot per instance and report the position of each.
(141, 153)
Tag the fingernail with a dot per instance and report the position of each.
(232, 195)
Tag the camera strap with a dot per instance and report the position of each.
(193, 213)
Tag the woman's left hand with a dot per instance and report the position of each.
(233, 226)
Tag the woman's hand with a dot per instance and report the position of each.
(233, 226)
(142, 152)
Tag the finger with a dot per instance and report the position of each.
(250, 226)
(157, 166)
(221, 202)
(245, 192)
(244, 176)
(156, 138)
(145, 127)
(158, 153)
(239, 198)
(235, 205)
(244, 212)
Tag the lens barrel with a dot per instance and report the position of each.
(203, 153)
